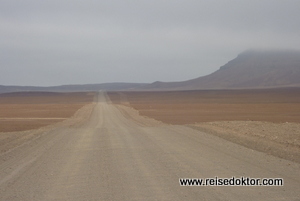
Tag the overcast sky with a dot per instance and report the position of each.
(54, 42)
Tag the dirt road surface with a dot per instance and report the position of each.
(117, 157)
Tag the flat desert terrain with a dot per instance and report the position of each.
(108, 151)
(24, 115)
(266, 120)
(187, 107)
(32, 110)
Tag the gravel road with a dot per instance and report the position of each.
(115, 156)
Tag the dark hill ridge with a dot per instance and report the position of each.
(250, 69)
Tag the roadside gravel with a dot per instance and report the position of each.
(278, 139)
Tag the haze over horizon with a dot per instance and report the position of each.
(49, 43)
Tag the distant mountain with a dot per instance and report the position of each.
(73, 88)
(250, 69)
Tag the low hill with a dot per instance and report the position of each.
(250, 69)
(73, 88)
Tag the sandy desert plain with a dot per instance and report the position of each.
(29, 111)
(267, 120)
(136, 145)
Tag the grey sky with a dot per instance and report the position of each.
(54, 42)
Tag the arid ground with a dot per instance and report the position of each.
(187, 107)
(24, 115)
(266, 120)
(108, 151)
(32, 110)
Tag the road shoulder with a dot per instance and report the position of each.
(278, 139)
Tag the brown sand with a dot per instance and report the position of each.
(186, 107)
(266, 119)
(32, 110)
